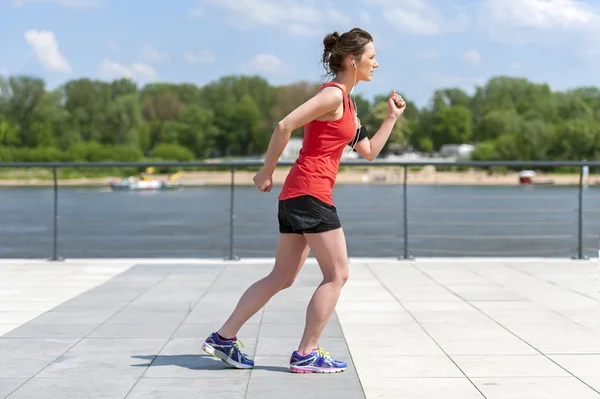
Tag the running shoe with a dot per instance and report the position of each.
(317, 361)
(228, 351)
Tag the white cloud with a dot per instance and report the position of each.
(515, 65)
(62, 3)
(291, 16)
(540, 21)
(266, 63)
(419, 17)
(151, 54)
(202, 57)
(143, 71)
(472, 57)
(467, 83)
(109, 70)
(45, 48)
(427, 54)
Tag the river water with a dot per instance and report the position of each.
(195, 221)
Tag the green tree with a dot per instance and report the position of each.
(452, 125)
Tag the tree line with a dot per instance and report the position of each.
(508, 118)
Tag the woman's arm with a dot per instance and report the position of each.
(370, 148)
(327, 101)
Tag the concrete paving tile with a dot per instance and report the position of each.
(385, 346)
(507, 305)
(437, 306)
(24, 347)
(359, 295)
(295, 330)
(14, 317)
(4, 328)
(405, 366)
(135, 316)
(74, 317)
(190, 388)
(581, 343)
(285, 346)
(332, 386)
(97, 347)
(464, 317)
(284, 316)
(148, 329)
(419, 388)
(538, 388)
(375, 318)
(23, 306)
(585, 365)
(298, 306)
(454, 344)
(26, 357)
(165, 295)
(427, 294)
(593, 382)
(383, 306)
(207, 314)
(184, 357)
(524, 315)
(203, 330)
(75, 388)
(387, 332)
(100, 366)
(192, 365)
(509, 366)
(24, 367)
(44, 330)
(9, 384)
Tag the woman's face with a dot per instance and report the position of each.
(367, 63)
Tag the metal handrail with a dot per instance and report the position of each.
(259, 163)
(232, 165)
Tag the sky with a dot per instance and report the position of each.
(421, 45)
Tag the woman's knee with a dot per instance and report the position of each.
(338, 273)
(281, 281)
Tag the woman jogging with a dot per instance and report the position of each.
(307, 215)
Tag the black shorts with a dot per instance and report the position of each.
(306, 214)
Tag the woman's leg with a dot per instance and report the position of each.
(329, 248)
(290, 255)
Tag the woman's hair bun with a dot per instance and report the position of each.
(330, 41)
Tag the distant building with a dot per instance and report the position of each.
(292, 149)
(456, 150)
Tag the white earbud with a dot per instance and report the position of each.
(355, 107)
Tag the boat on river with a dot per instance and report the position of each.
(145, 183)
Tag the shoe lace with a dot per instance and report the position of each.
(322, 352)
(237, 344)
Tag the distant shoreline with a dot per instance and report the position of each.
(378, 175)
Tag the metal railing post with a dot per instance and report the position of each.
(231, 215)
(405, 213)
(580, 217)
(55, 256)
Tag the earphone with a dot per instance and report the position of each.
(355, 108)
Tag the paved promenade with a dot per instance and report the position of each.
(429, 328)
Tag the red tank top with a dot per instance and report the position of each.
(316, 168)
